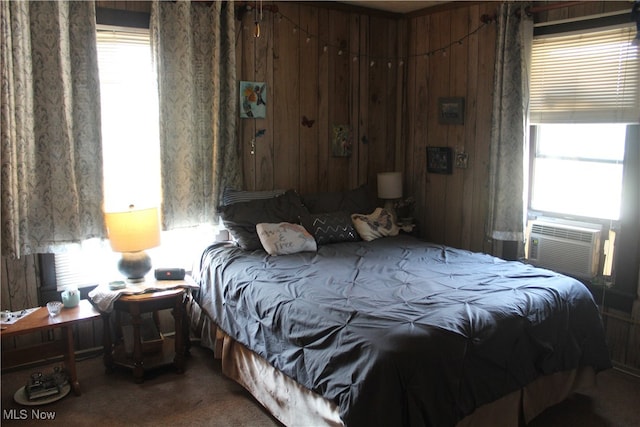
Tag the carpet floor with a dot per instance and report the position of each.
(202, 396)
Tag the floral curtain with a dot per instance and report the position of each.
(194, 49)
(51, 155)
(509, 130)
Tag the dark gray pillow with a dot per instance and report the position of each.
(359, 200)
(330, 227)
(241, 218)
(231, 196)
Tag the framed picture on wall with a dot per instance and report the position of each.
(253, 100)
(451, 111)
(439, 160)
(341, 141)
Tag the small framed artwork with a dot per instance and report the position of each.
(439, 160)
(451, 111)
(341, 142)
(253, 100)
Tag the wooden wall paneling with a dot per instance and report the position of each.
(633, 346)
(20, 283)
(245, 71)
(617, 332)
(391, 106)
(309, 88)
(323, 124)
(339, 93)
(483, 111)
(557, 14)
(354, 98)
(364, 177)
(400, 122)
(454, 202)
(378, 72)
(585, 9)
(84, 334)
(469, 144)
(418, 117)
(264, 128)
(286, 98)
(611, 6)
(439, 80)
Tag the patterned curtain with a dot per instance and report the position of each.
(509, 130)
(51, 150)
(194, 49)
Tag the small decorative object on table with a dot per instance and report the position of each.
(169, 273)
(71, 296)
(54, 307)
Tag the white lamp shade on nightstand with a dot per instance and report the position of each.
(390, 185)
(131, 232)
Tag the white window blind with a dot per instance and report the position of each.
(130, 125)
(93, 263)
(589, 77)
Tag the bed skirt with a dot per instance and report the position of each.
(294, 405)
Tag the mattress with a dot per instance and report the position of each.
(398, 331)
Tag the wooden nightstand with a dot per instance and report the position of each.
(39, 321)
(173, 349)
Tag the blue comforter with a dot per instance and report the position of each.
(398, 331)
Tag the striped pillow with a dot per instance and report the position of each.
(231, 196)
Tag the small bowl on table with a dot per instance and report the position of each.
(54, 307)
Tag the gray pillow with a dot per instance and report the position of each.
(330, 227)
(231, 196)
(359, 200)
(241, 218)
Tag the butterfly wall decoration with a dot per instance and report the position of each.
(307, 122)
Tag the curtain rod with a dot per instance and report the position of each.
(552, 6)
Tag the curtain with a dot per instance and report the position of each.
(50, 139)
(194, 50)
(509, 130)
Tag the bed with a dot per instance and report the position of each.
(392, 330)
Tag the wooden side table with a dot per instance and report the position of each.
(135, 305)
(39, 321)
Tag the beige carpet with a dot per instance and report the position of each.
(202, 396)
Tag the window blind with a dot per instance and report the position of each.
(94, 263)
(588, 77)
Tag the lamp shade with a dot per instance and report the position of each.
(390, 185)
(133, 230)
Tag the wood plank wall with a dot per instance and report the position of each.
(316, 62)
(451, 209)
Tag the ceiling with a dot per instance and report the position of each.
(395, 6)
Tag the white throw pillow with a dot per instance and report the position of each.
(373, 226)
(285, 238)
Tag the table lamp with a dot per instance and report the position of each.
(390, 189)
(131, 232)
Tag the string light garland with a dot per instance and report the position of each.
(375, 59)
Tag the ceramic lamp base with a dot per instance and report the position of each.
(134, 265)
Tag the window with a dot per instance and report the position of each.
(131, 158)
(577, 169)
(584, 92)
(129, 104)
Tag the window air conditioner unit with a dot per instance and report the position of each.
(571, 248)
